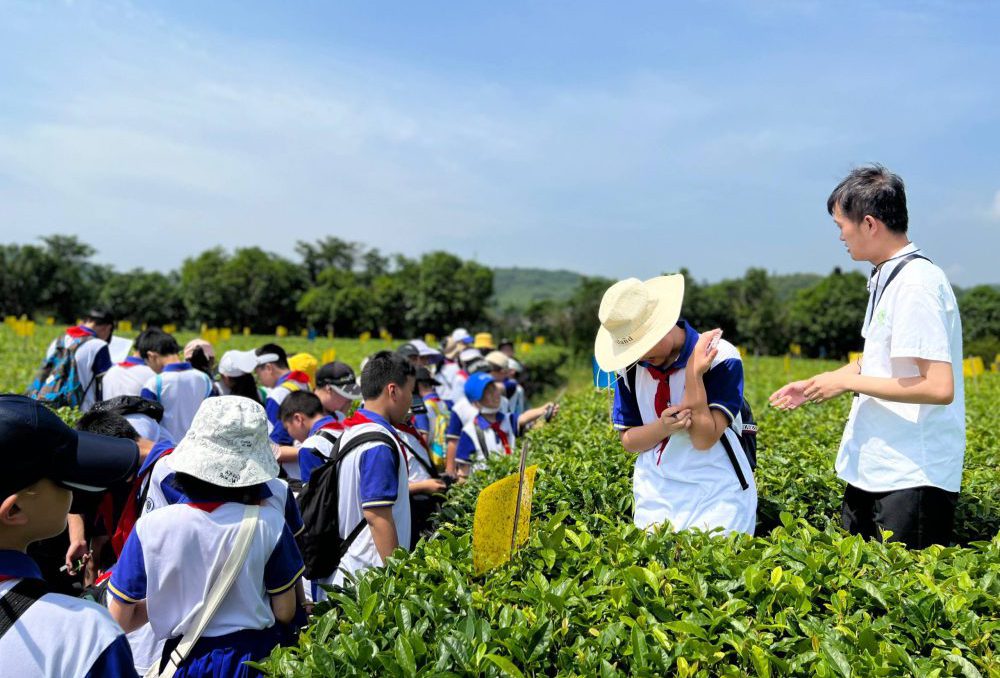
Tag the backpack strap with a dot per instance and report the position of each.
(159, 388)
(429, 467)
(731, 453)
(481, 436)
(17, 600)
(892, 276)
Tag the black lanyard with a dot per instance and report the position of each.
(876, 295)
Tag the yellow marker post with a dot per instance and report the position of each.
(430, 339)
(170, 328)
(281, 331)
(124, 325)
(246, 331)
(329, 355)
(225, 334)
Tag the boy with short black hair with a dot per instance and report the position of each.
(373, 477)
(303, 416)
(127, 377)
(51, 634)
(177, 385)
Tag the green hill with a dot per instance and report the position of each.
(519, 287)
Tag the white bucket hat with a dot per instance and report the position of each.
(227, 444)
(634, 316)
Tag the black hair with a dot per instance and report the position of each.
(107, 424)
(245, 386)
(872, 190)
(300, 402)
(200, 361)
(156, 340)
(100, 316)
(282, 360)
(382, 369)
(198, 489)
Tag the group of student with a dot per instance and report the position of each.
(679, 403)
(194, 447)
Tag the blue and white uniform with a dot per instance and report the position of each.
(286, 383)
(499, 440)
(674, 481)
(180, 388)
(371, 476)
(317, 444)
(171, 559)
(59, 635)
(127, 378)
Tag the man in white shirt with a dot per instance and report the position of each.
(904, 444)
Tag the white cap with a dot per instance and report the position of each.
(461, 334)
(470, 354)
(227, 444)
(424, 350)
(238, 363)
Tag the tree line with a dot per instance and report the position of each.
(350, 288)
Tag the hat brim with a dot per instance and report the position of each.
(349, 391)
(668, 291)
(98, 463)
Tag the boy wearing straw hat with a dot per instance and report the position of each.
(677, 393)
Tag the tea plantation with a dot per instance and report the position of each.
(589, 595)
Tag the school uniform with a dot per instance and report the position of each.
(171, 560)
(127, 378)
(58, 635)
(498, 436)
(316, 449)
(447, 375)
(287, 383)
(904, 461)
(419, 467)
(673, 481)
(514, 392)
(180, 388)
(92, 358)
(372, 475)
(434, 424)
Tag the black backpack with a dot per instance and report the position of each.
(128, 404)
(320, 542)
(748, 441)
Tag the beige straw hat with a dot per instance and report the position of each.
(227, 444)
(634, 316)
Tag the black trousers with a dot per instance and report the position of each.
(917, 516)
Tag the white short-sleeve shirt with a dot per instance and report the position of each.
(126, 378)
(888, 445)
(181, 389)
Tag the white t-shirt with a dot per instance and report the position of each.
(889, 445)
(175, 553)
(365, 481)
(180, 389)
(59, 635)
(126, 378)
(415, 470)
(676, 482)
(92, 360)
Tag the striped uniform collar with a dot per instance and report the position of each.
(17, 565)
(177, 367)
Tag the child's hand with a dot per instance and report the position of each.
(705, 351)
(675, 419)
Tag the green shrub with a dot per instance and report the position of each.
(590, 595)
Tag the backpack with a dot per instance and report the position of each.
(747, 436)
(57, 382)
(128, 404)
(320, 542)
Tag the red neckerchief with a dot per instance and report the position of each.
(299, 376)
(463, 374)
(79, 332)
(501, 434)
(359, 418)
(662, 399)
(130, 512)
(412, 430)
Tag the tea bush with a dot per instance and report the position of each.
(591, 595)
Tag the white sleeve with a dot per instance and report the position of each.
(920, 325)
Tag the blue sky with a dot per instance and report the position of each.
(609, 138)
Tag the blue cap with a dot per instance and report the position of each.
(476, 385)
(36, 444)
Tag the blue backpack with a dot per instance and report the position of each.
(57, 382)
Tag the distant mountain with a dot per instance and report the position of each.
(519, 287)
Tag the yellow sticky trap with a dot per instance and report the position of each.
(281, 331)
(225, 334)
(329, 355)
(493, 524)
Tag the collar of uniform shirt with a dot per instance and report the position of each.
(177, 367)
(690, 339)
(323, 422)
(17, 565)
